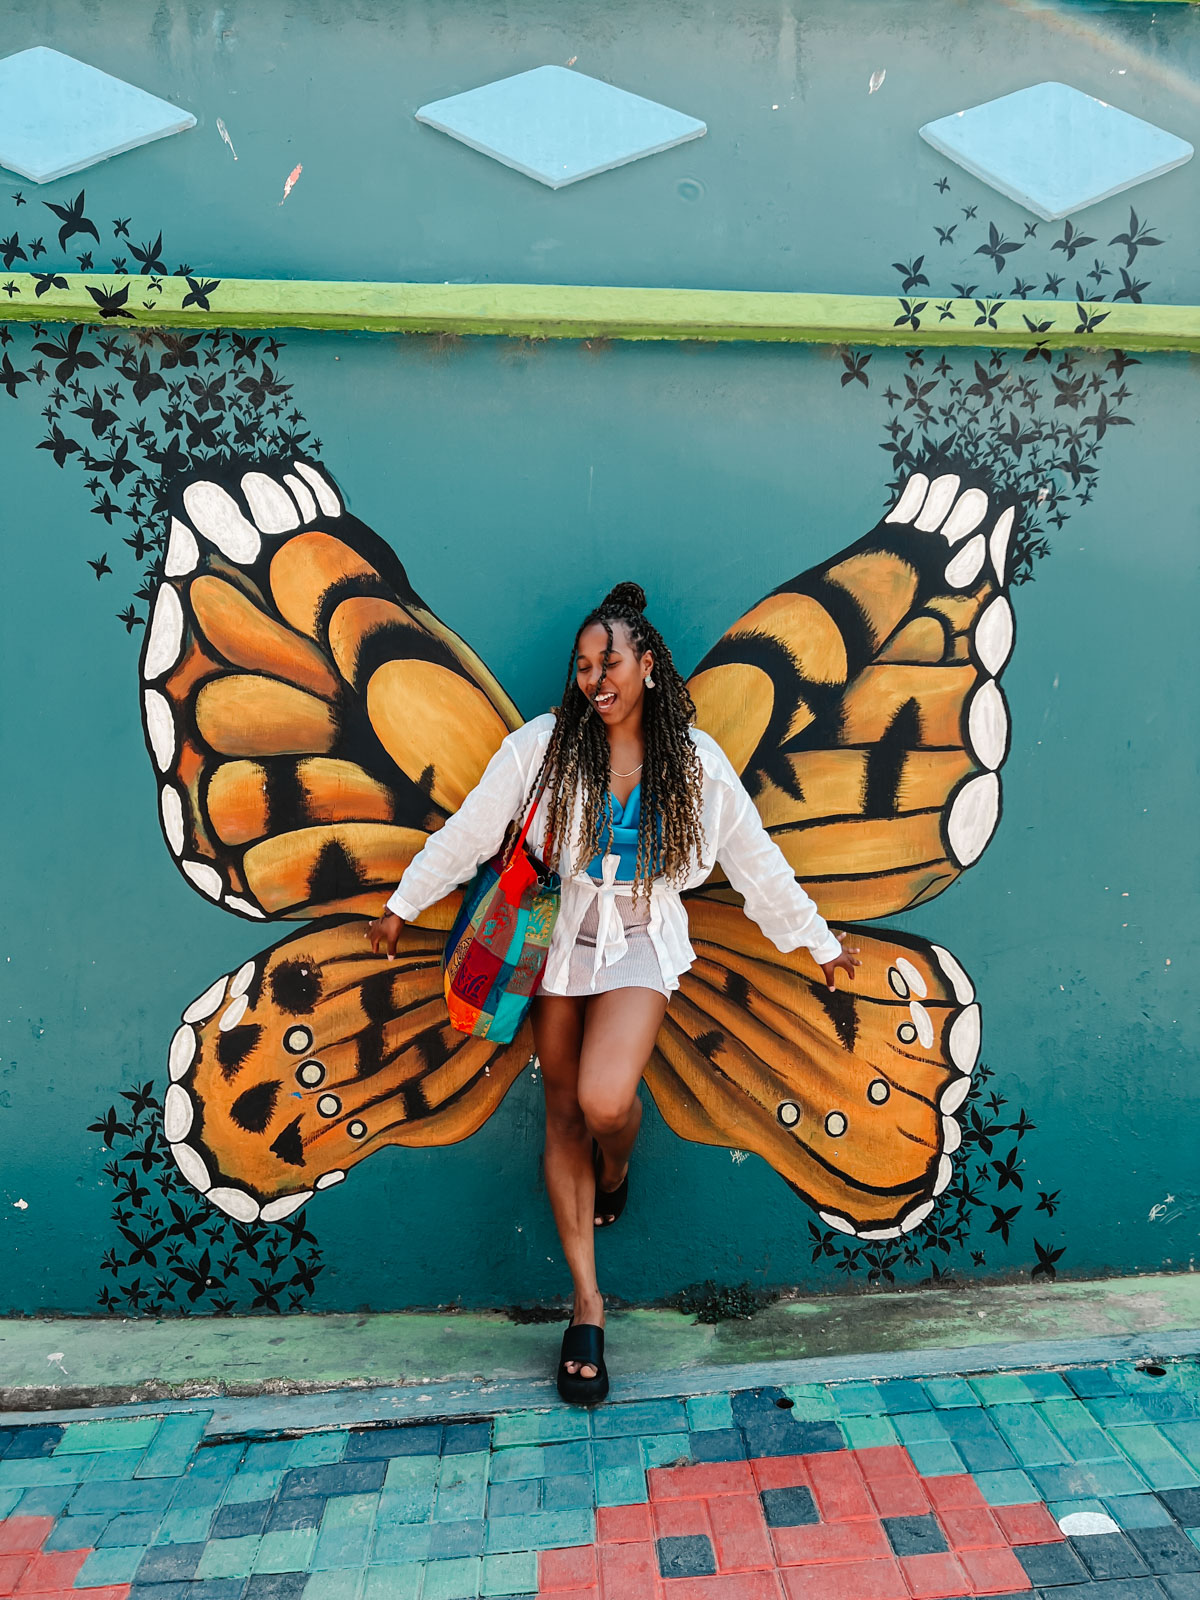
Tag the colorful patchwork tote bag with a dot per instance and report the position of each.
(496, 951)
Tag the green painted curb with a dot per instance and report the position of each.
(561, 311)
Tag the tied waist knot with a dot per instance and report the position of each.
(611, 943)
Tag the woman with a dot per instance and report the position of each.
(633, 805)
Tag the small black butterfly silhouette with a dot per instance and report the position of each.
(946, 235)
(1049, 1201)
(10, 250)
(198, 293)
(131, 620)
(149, 256)
(100, 567)
(120, 227)
(1046, 1261)
(73, 220)
(969, 211)
(85, 261)
(37, 248)
(19, 198)
(111, 301)
(10, 377)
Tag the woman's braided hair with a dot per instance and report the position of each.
(670, 834)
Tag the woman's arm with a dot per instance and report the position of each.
(759, 871)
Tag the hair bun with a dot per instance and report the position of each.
(626, 594)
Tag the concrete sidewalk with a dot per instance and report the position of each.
(76, 1362)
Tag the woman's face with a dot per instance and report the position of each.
(612, 680)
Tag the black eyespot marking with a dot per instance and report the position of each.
(296, 987)
(289, 1146)
(252, 1110)
(233, 1047)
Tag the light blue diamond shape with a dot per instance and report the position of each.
(1054, 149)
(59, 115)
(559, 126)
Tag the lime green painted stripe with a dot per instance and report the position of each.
(557, 311)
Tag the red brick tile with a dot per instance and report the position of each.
(46, 1574)
(559, 1594)
(933, 1577)
(972, 1528)
(898, 1497)
(955, 1493)
(885, 1461)
(838, 1486)
(857, 1580)
(24, 1534)
(629, 1572)
(574, 1568)
(672, 1519)
(622, 1524)
(740, 1534)
(120, 1591)
(994, 1571)
(699, 1481)
(11, 1568)
(724, 1586)
(780, 1472)
(1028, 1524)
(833, 1541)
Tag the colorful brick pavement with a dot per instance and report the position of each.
(1078, 1483)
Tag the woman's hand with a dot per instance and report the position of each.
(847, 961)
(385, 931)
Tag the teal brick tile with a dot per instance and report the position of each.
(540, 1530)
(318, 1449)
(608, 1453)
(573, 1456)
(665, 1450)
(811, 1402)
(538, 1427)
(1002, 1389)
(1184, 1437)
(77, 1533)
(196, 1489)
(187, 1525)
(407, 1503)
(229, 1558)
(290, 1551)
(1090, 1382)
(399, 1582)
(1027, 1436)
(248, 1485)
(1194, 1535)
(461, 1487)
(401, 1542)
(1070, 1508)
(217, 1460)
(620, 1486)
(412, 1472)
(264, 1455)
(867, 1433)
(919, 1427)
(1118, 1411)
(857, 1400)
(526, 1461)
(1006, 1488)
(1138, 1511)
(105, 1567)
(902, 1394)
(9, 1499)
(574, 1492)
(1127, 1375)
(113, 1466)
(708, 1411)
(1072, 1481)
(935, 1458)
(35, 1471)
(342, 1547)
(350, 1511)
(173, 1445)
(642, 1416)
(83, 1438)
(345, 1584)
(1047, 1385)
(457, 1579)
(949, 1393)
(1160, 1465)
(130, 1527)
(1114, 1477)
(1082, 1436)
(48, 1501)
(509, 1574)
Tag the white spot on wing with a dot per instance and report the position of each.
(207, 879)
(233, 1014)
(954, 1096)
(945, 1172)
(182, 1052)
(915, 1217)
(969, 511)
(973, 818)
(192, 1166)
(276, 1210)
(242, 979)
(326, 497)
(165, 640)
(922, 1022)
(911, 500)
(235, 1203)
(897, 982)
(171, 807)
(302, 496)
(838, 1224)
(965, 1033)
(994, 634)
(939, 500)
(912, 977)
(951, 1133)
(328, 1179)
(183, 553)
(998, 543)
(160, 725)
(966, 566)
(964, 989)
(217, 517)
(203, 1006)
(270, 504)
(987, 725)
(236, 903)
(177, 1113)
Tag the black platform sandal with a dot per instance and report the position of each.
(614, 1199)
(583, 1342)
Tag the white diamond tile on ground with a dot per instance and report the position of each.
(59, 115)
(1054, 149)
(559, 126)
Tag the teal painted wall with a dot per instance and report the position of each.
(517, 482)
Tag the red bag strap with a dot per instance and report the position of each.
(520, 839)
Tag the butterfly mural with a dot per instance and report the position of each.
(311, 721)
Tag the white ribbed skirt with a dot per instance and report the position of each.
(638, 968)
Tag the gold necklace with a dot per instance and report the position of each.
(614, 773)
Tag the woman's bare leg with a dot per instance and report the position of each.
(619, 1031)
(558, 1023)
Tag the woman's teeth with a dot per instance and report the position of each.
(603, 701)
